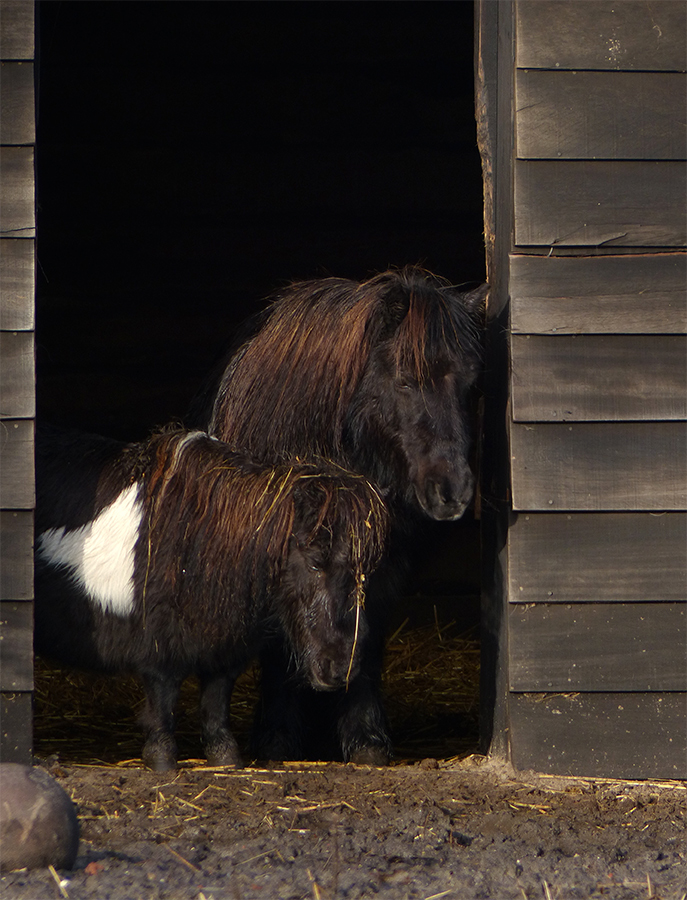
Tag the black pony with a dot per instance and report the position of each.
(177, 556)
(376, 376)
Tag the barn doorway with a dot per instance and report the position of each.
(194, 156)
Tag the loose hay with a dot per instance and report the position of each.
(431, 684)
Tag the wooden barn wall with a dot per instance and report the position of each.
(585, 221)
(17, 394)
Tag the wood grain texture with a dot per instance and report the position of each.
(16, 29)
(16, 643)
(486, 83)
(600, 115)
(494, 49)
(17, 375)
(599, 466)
(598, 377)
(17, 487)
(17, 280)
(17, 108)
(595, 204)
(598, 647)
(599, 294)
(17, 208)
(597, 557)
(567, 34)
(16, 543)
(614, 735)
(16, 725)
(17, 219)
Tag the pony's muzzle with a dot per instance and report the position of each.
(446, 496)
(329, 672)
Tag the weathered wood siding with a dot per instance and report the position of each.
(17, 380)
(583, 109)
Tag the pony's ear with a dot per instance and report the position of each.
(475, 300)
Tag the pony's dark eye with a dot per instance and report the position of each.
(315, 564)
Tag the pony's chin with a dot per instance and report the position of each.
(447, 515)
(324, 686)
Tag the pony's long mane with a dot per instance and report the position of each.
(289, 389)
(228, 522)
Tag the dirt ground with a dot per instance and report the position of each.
(441, 822)
(458, 829)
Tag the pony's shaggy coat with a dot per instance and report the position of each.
(226, 550)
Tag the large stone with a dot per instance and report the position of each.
(38, 823)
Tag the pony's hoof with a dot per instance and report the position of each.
(225, 759)
(224, 753)
(370, 756)
(159, 762)
(160, 756)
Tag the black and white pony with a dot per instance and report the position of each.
(177, 556)
(377, 376)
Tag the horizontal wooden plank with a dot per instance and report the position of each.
(17, 375)
(16, 724)
(17, 278)
(17, 107)
(598, 377)
(597, 647)
(16, 645)
(600, 115)
(16, 29)
(16, 547)
(597, 557)
(612, 735)
(17, 207)
(599, 294)
(594, 203)
(17, 485)
(632, 35)
(599, 466)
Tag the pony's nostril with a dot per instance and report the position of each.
(442, 491)
(445, 491)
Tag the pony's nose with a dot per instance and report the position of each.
(328, 672)
(448, 497)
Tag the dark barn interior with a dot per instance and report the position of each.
(192, 157)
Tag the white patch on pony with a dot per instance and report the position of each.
(100, 554)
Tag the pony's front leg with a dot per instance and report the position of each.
(219, 743)
(157, 720)
(362, 724)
